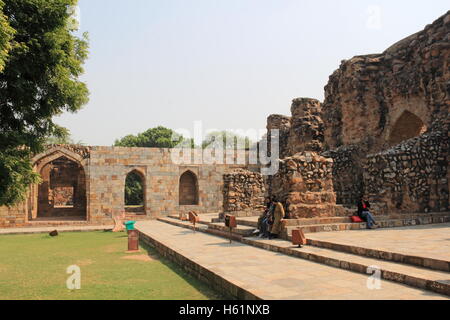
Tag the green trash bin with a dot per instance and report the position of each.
(129, 225)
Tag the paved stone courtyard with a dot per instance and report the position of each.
(270, 275)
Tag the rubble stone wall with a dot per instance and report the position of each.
(413, 176)
(243, 191)
(304, 184)
(348, 174)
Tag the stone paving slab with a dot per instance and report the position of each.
(269, 275)
(429, 241)
(32, 230)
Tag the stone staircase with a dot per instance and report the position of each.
(214, 226)
(314, 225)
(415, 271)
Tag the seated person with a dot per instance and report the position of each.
(278, 215)
(263, 221)
(364, 213)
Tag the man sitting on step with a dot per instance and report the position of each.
(278, 215)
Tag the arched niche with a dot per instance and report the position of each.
(407, 126)
(188, 189)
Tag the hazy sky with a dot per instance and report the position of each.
(227, 63)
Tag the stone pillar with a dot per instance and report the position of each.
(283, 124)
(304, 183)
(307, 129)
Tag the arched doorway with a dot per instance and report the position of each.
(188, 190)
(62, 193)
(406, 127)
(135, 192)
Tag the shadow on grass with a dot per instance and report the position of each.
(201, 286)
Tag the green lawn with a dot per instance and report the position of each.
(34, 267)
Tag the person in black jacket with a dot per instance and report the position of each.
(364, 212)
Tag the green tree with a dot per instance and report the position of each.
(63, 138)
(6, 34)
(226, 139)
(134, 190)
(39, 81)
(159, 137)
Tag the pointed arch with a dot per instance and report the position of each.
(188, 189)
(407, 126)
(62, 192)
(135, 196)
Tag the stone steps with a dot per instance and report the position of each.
(38, 224)
(383, 222)
(422, 277)
(423, 262)
(333, 223)
(240, 231)
(244, 231)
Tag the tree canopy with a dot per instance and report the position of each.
(226, 139)
(134, 190)
(159, 137)
(41, 60)
(6, 34)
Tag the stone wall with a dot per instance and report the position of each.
(304, 184)
(348, 173)
(413, 176)
(243, 191)
(108, 168)
(105, 171)
(13, 217)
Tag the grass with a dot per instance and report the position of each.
(34, 267)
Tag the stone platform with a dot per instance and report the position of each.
(245, 272)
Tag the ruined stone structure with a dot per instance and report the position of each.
(87, 183)
(304, 184)
(243, 192)
(413, 176)
(382, 130)
(384, 122)
(374, 104)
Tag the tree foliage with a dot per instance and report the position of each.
(63, 138)
(159, 137)
(134, 190)
(6, 34)
(226, 139)
(40, 80)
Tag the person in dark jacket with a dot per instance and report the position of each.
(263, 221)
(364, 213)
